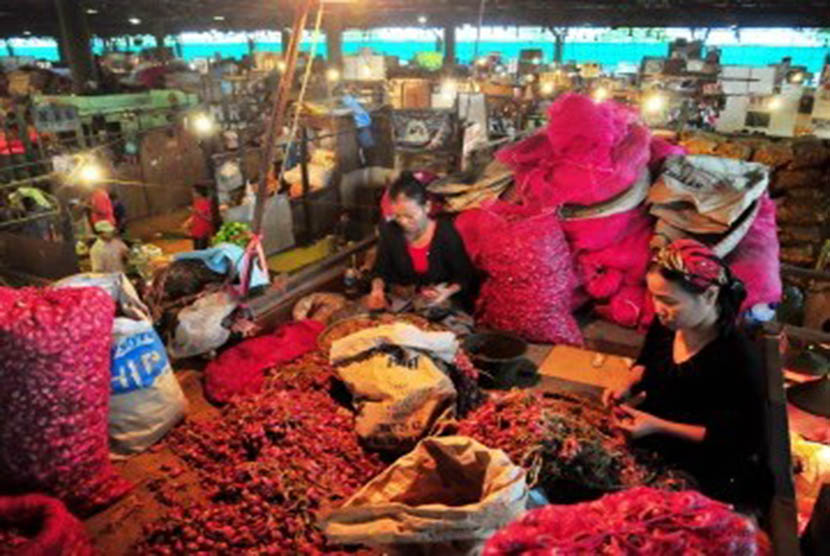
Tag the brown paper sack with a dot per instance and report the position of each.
(447, 497)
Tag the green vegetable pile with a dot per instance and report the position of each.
(238, 233)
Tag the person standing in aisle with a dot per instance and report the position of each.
(417, 249)
(108, 253)
(700, 384)
(100, 207)
(200, 222)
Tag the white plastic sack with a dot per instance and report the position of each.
(447, 497)
(147, 400)
(200, 328)
(399, 397)
(720, 190)
(443, 345)
(117, 286)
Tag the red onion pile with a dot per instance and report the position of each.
(269, 465)
(566, 443)
(640, 521)
(55, 377)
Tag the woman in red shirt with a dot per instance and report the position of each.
(201, 218)
(100, 207)
(416, 249)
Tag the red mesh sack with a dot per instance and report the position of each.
(530, 280)
(240, 370)
(641, 521)
(755, 260)
(37, 525)
(631, 306)
(589, 153)
(55, 372)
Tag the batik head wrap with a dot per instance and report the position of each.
(694, 261)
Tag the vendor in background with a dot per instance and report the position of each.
(700, 379)
(416, 249)
(108, 253)
(100, 207)
(119, 211)
(200, 222)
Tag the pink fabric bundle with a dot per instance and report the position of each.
(530, 279)
(612, 256)
(589, 153)
(755, 259)
(240, 370)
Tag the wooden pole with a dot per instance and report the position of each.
(76, 42)
(275, 124)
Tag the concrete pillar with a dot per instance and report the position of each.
(76, 42)
(449, 46)
(334, 44)
(161, 53)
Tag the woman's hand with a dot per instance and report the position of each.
(436, 295)
(638, 424)
(614, 396)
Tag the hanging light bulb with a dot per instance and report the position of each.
(332, 75)
(601, 94)
(654, 103)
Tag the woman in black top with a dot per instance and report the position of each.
(416, 249)
(701, 379)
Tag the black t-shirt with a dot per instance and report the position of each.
(721, 389)
(448, 261)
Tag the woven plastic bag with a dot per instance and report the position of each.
(445, 497)
(50, 528)
(55, 376)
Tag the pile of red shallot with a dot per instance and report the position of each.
(269, 466)
(566, 442)
(637, 522)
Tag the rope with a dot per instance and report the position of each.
(481, 8)
(306, 77)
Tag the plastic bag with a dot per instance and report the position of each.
(445, 497)
(240, 369)
(399, 396)
(55, 376)
(50, 528)
(147, 399)
(127, 301)
(200, 329)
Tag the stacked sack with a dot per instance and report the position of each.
(723, 202)
(591, 162)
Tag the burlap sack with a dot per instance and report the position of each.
(445, 497)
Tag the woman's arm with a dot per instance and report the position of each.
(639, 424)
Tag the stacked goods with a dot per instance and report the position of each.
(270, 465)
(55, 372)
(592, 160)
(567, 444)
(800, 186)
(639, 521)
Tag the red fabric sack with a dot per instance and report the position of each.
(37, 525)
(55, 376)
(240, 370)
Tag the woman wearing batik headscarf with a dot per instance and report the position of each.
(698, 392)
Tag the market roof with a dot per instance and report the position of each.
(120, 17)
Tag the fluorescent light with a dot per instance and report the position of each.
(91, 11)
(422, 19)
(219, 18)
(134, 21)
